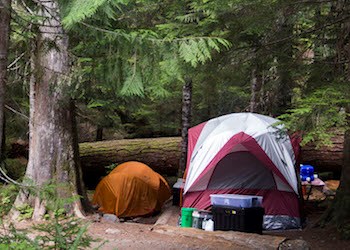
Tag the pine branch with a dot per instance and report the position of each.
(17, 112)
(312, 2)
(82, 9)
(309, 31)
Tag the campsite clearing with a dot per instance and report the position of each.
(142, 234)
(160, 232)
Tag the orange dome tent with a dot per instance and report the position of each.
(131, 189)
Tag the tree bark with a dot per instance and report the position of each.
(257, 82)
(52, 149)
(161, 154)
(342, 199)
(339, 211)
(186, 123)
(5, 16)
(283, 96)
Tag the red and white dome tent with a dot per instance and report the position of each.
(244, 153)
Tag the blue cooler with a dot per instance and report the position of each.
(306, 173)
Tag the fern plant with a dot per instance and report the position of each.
(61, 231)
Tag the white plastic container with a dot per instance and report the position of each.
(236, 200)
(209, 225)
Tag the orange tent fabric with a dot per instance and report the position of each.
(131, 189)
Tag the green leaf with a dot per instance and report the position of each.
(133, 86)
(97, 103)
(82, 9)
(79, 237)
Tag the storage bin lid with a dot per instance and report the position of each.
(235, 196)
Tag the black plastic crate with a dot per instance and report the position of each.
(248, 220)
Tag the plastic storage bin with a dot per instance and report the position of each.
(248, 220)
(236, 200)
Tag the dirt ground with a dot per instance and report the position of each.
(317, 237)
(145, 233)
(138, 234)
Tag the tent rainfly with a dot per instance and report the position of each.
(131, 189)
(244, 153)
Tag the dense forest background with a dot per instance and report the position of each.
(130, 59)
(119, 67)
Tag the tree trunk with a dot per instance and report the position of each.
(161, 154)
(52, 149)
(339, 211)
(257, 82)
(186, 123)
(283, 95)
(5, 16)
(342, 200)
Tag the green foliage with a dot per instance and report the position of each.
(109, 168)
(133, 85)
(15, 168)
(63, 233)
(11, 238)
(137, 56)
(316, 114)
(198, 50)
(26, 211)
(80, 10)
(8, 195)
(53, 194)
(60, 231)
(130, 58)
(15, 239)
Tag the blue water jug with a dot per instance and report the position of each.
(306, 173)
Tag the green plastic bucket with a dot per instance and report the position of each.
(186, 216)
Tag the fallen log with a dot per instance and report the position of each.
(325, 158)
(161, 154)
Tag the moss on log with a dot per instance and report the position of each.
(161, 154)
